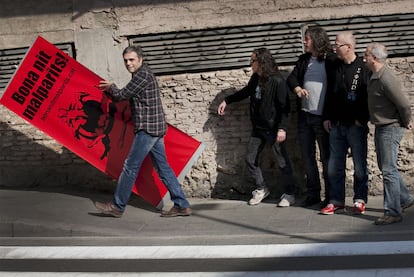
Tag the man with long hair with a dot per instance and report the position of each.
(309, 80)
(269, 114)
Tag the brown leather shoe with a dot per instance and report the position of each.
(173, 212)
(108, 209)
(387, 219)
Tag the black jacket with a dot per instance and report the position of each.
(270, 106)
(346, 98)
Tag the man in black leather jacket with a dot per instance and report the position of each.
(269, 114)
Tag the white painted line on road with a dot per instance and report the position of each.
(400, 272)
(207, 252)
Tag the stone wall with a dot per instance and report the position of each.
(404, 68)
(191, 102)
(99, 31)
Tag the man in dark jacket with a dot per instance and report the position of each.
(309, 81)
(269, 114)
(345, 118)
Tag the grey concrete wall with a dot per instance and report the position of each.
(99, 29)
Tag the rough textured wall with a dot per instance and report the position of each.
(404, 68)
(187, 15)
(191, 102)
(28, 158)
(99, 30)
(62, 20)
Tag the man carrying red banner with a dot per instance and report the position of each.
(143, 94)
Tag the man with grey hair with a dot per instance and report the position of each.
(390, 111)
(345, 119)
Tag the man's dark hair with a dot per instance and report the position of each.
(267, 63)
(320, 40)
(134, 48)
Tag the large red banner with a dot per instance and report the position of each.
(59, 96)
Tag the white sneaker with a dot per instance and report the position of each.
(286, 200)
(258, 196)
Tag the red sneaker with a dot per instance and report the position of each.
(359, 208)
(331, 208)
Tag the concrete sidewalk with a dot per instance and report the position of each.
(70, 218)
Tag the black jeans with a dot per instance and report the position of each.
(255, 147)
(310, 129)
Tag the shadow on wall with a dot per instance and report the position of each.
(231, 134)
(27, 164)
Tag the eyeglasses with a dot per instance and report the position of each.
(337, 46)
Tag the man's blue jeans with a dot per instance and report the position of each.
(341, 138)
(310, 131)
(396, 194)
(143, 145)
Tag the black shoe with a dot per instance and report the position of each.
(311, 201)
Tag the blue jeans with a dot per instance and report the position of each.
(255, 147)
(310, 129)
(396, 193)
(341, 138)
(142, 145)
